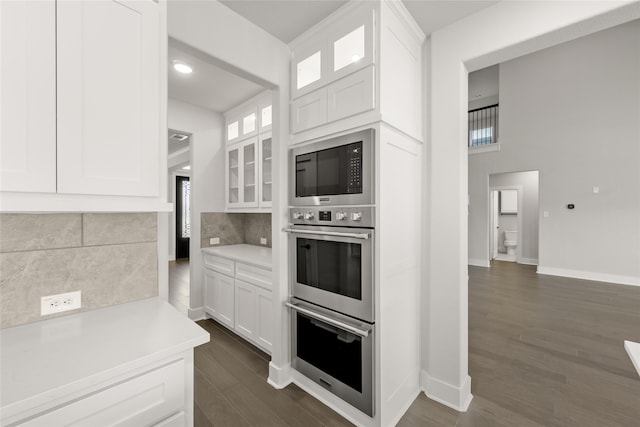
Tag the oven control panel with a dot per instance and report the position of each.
(337, 216)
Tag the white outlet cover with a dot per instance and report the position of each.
(59, 303)
(263, 240)
(214, 241)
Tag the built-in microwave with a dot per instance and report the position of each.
(336, 171)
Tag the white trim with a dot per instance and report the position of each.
(196, 314)
(505, 257)
(528, 261)
(587, 275)
(279, 377)
(633, 350)
(479, 262)
(458, 398)
(484, 148)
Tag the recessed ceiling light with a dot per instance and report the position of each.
(188, 167)
(182, 67)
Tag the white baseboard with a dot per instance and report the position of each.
(587, 275)
(279, 377)
(479, 262)
(196, 314)
(458, 398)
(528, 261)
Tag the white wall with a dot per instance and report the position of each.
(517, 28)
(245, 49)
(207, 178)
(572, 112)
(527, 235)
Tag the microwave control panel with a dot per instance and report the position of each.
(337, 216)
(355, 167)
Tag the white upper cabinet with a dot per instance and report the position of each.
(248, 155)
(81, 103)
(28, 87)
(333, 52)
(108, 97)
(369, 69)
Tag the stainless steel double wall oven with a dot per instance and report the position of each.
(332, 237)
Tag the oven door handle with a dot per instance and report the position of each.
(361, 236)
(333, 322)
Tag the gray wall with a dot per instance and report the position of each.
(573, 113)
(528, 236)
(111, 258)
(235, 228)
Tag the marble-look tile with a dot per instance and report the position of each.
(27, 232)
(106, 275)
(257, 225)
(229, 227)
(114, 228)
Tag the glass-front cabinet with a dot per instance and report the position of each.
(242, 173)
(265, 169)
(249, 155)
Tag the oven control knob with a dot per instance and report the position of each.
(341, 216)
(297, 215)
(356, 216)
(308, 216)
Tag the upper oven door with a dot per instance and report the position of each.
(337, 171)
(333, 267)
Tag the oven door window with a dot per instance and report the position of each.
(336, 352)
(332, 266)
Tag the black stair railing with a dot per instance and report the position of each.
(483, 126)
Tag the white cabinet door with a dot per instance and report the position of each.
(242, 177)
(108, 97)
(246, 310)
(28, 101)
(351, 95)
(309, 111)
(264, 325)
(266, 176)
(219, 297)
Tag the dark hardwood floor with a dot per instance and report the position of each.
(543, 351)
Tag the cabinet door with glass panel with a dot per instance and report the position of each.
(242, 174)
(266, 147)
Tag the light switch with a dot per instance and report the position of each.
(545, 214)
(596, 189)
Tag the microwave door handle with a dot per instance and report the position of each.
(361, 236)
(338, 324)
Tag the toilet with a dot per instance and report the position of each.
(511, 242)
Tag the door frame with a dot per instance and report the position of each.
(520, 190)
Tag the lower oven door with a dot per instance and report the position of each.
(334, 351)
(333, 268)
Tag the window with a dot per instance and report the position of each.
(483, 126)
(186, 210)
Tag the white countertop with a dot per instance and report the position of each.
(251, 254)
(633, 349)
(43, 361)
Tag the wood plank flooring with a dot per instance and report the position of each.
(543, 351)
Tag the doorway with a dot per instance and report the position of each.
(183, 216)
(513, 217)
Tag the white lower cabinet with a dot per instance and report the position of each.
(241, 301)
(149, 399)
(219, 297)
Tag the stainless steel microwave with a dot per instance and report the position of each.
(336, 171)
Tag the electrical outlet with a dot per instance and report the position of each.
(60, 302)
(263, 241)
(214, 241)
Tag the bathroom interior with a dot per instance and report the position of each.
(514, 217)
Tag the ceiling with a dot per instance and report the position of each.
(208, 86)
(215, 89)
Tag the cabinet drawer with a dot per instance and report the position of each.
(255, 275)
(143, 400)
(221, 265)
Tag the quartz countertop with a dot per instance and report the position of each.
(46, 360)
(250, 254)
(633, 349)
